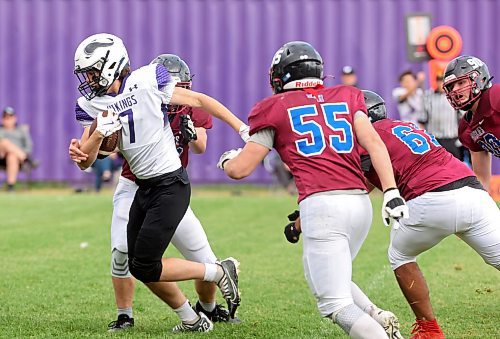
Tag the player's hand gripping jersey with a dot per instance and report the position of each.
(314, 136)
(148, 147)
(481, 131)
(420, 164)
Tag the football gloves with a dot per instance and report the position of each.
(228, 155)
(291, 233)
(394, 207)
(109, 124)
(244, 132)
(187, 128)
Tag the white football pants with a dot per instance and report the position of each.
(469, 213)
(334, 228)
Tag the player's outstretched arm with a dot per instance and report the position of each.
(371, 142)
(481, 165)
(393, 206)
(241, 165)
(182, 96)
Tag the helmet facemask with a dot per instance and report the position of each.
(97, 85)
(377, 112)
(455, 96)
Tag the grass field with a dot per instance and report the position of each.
(50, 287)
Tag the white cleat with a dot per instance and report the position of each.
(203, 324)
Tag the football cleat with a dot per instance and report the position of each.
(427, 329)
(389, 322)
(218, 314)
(203, 324)
(123, 322)
(228, 284)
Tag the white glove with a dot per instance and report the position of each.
(244, 132)
(109, 124)
(394, 207)
(228, 155)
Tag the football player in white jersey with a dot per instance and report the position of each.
(190, 238)
(162, 198)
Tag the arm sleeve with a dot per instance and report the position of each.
(164, 83)
(264, 137)
(82, 117)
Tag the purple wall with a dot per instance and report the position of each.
(228, 45)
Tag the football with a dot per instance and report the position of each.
(109, 144)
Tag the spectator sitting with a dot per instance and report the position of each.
(349, 77)
(105, 168)
(15, 146)
(409, 96)
(440, 119)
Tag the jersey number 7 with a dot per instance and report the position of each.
(130, 115)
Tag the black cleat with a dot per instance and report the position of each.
(218, 314)
(228, 284)
(123, 322)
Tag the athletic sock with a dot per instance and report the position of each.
(209, 307)
(127, 311)
(186, 313)
(213, 272)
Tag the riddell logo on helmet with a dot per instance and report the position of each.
(307, 83)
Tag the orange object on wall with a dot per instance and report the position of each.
(443, 44)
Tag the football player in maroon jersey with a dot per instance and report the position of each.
(468, 86)
(316, 131)
(444, 198)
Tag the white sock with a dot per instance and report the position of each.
(127, 311)
(361, 299)
(186, 313)
(213, 272)
(367, 328)
(209, 307)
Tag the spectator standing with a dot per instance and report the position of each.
(409, 96)
(440, 119)
(349, 77)
(15, 145)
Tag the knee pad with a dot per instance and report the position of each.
(347, 316)
(145, 271)
(119, 264)
(398, 259)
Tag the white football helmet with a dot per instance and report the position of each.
(99, 60)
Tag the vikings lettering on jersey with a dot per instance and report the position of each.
(147, 145)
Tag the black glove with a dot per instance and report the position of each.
(291, 233)
(187, 128)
